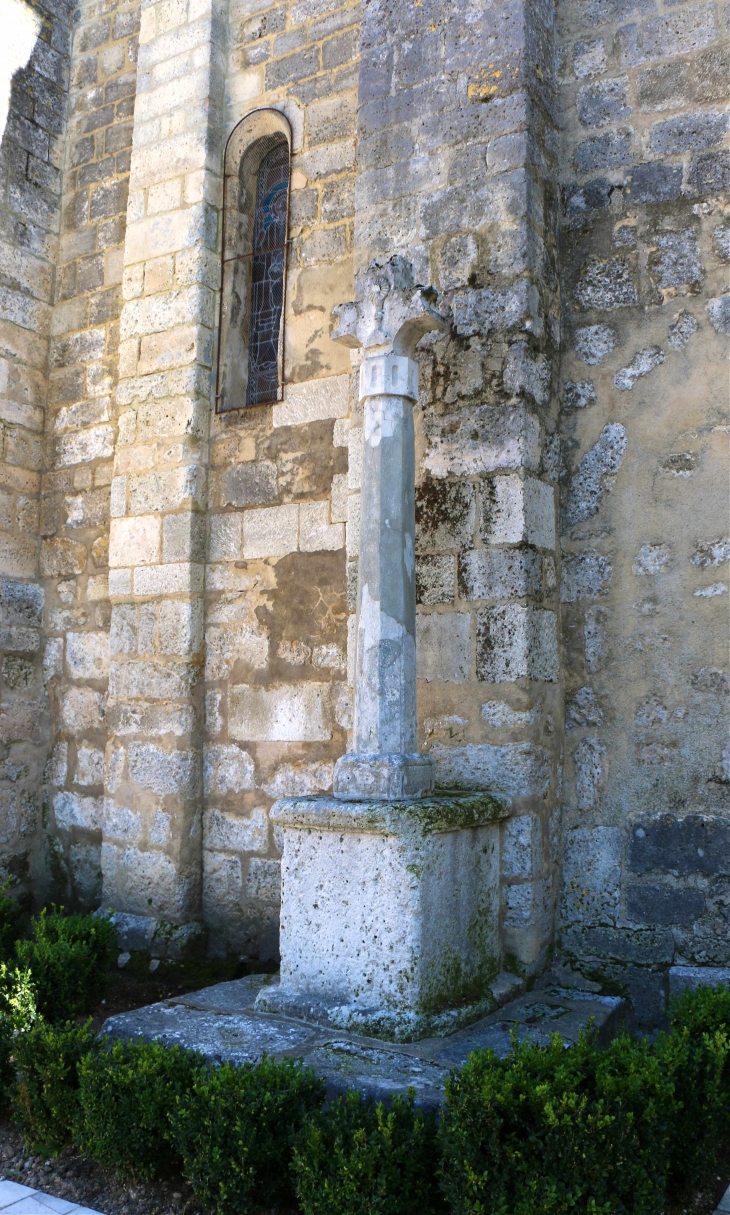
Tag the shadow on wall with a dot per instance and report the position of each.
(21, 27)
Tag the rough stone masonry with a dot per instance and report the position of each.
(178, 587)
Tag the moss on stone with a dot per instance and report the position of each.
(451, 811)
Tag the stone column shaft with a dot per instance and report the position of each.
(385, 762)
(385, 705)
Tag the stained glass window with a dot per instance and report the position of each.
(255, 213)
(267, 276)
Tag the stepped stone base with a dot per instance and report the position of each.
(223, 1024)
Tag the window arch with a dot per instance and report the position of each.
(257, 166)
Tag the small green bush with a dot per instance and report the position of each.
(235, 1131)
(555, 1130)
(696, 1054)
(46, 1104)
(10, 924)
(359, 1158)
(17, 1014)
(127, 1095)
(68, 956)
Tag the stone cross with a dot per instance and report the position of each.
(387, 320)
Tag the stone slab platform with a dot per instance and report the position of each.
(221, 1023)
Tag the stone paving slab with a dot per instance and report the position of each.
(222, 1024)
(723, 1206)
(22, 1200)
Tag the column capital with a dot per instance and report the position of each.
(390, 312)
(388, 375)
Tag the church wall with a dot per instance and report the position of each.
(31, 161)
(81, 435)
(456, 173)
(645, 247)
(277, 701)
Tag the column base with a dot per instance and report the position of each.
(361, 776)
(390, 913)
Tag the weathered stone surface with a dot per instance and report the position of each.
(606, 285)
(664, 904)
(642, 363)
(514, 642)
(718, 310)
(585, 576)
(288, 713)
(682, 330)
(595, 473)
(667, 844)
(592, 875)
(594, 342)
(676, 262)
(578, 394)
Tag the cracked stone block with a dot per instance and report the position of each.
(513, 510)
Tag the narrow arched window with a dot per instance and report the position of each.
(253, 288)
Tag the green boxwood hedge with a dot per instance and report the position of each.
(548, 1130)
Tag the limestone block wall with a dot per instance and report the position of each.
(277, 701)
(457, 173)
(31, 161)
(645, 171)
(80, 437)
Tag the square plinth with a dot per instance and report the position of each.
(390, 912)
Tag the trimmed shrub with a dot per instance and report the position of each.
(359, 1158)
(46, 1105)
(68, 956)
(127, 1095)
(17, 1014)
(696, 1054)
(235, 1131)
(555, 1130)
(10, 924)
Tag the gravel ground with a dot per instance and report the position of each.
(69, 1176)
